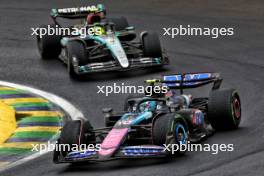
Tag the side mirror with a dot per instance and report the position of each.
(107, 110)
(130, 28)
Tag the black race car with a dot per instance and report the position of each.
(106, 44)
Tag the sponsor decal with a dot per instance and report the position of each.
(78, 9)
(198, 117)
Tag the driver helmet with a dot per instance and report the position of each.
(93, 18)
(148, 106)
(101, 10)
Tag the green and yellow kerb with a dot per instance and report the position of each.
(25, 119)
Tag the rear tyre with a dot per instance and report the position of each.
(151, 45)
(75, 50)
(49, 45)
(120, 23)
(224, 109)
(170, 130)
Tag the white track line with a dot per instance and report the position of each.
(72, 111)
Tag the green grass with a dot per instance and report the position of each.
(29, 104)
(4, 92)
(40, 119)
(33, 134)
(11, 150)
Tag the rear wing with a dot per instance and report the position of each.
(76, 12)
(188, 80)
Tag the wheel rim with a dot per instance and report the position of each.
(236, 108)
(180, 134)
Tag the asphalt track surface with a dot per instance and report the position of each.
(239, 58)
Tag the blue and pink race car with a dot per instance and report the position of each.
(150, 125)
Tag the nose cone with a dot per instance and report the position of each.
(121, 56)
(112, 142)
(117, 51)
(106, 153)
(124, 63)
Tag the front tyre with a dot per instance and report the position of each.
(170, 130)
(75, 50)
(49, 45)
(74, 133)
(224, 109)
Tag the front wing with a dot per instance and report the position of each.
(143, 151)
(114, 66)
